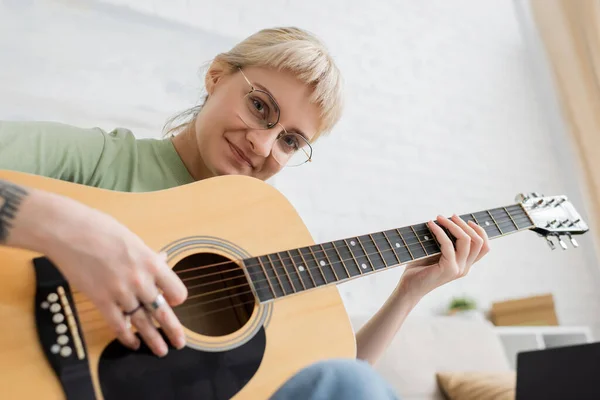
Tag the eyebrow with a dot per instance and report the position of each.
(293, 130)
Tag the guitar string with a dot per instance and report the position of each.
(281, 270)
(196, 304)
(420, 244)
(492, 227)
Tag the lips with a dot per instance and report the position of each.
(240, 154)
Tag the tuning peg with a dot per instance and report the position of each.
(550, 223)
(521, 198)
(562, 243)
(560, 202)
(561, 223)
(574, 222)
(538, 203)
(550, 243)
(573, 241)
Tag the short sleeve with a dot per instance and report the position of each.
(51, 149)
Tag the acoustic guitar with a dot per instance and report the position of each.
(262, 296)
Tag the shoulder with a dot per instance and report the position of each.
(49, 133)
(57, 149)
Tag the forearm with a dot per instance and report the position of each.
(376, 335)
(24, 213)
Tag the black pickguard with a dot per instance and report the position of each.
(182, 374)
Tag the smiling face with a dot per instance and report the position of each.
(226, 143)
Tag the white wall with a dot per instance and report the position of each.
(444, 114)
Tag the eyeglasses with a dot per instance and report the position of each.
(261, 111)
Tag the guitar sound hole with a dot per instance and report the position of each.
(220, 300)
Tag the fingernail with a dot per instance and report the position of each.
(163, 255)
(163, 351)
(180, 342)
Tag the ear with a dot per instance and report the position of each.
(213, 76)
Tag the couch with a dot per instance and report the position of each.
(426, 346)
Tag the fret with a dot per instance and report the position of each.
(271, 275)
(326, 264)
(412, 242)
(519, 216)
(486, 222)
(350, 262)
(468, 217)
(259, 279)
(514, 224)
(400, 248)
(322, 263)
(495, 223)
(341, 258)
(372, 252)
(427, 239)
(303, 269)
(419, 240)
(335, 261)
(359, 254)
(281, 275)
(290, 269)
(313, 266)
(503, 220)
(385, 249)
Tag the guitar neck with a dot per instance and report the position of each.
(292, 271)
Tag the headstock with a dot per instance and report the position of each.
(553, 217)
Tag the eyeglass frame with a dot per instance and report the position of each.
(253, 89)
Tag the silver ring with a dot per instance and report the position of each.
(159, 300)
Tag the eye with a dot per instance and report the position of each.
(291, 143)
(258, 105)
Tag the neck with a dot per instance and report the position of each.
(186, 145)
(288, 272)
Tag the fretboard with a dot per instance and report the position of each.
(292, 271)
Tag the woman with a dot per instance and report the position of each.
(267, 101)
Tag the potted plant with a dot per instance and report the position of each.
(464, 306)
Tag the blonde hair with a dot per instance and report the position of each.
(289, 49)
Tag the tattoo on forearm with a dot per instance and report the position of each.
(11, 197)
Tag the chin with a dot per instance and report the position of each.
(228, 169)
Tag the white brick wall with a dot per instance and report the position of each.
(444, 115)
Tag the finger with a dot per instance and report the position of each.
(485, 247)
(119, 324)
(149, 333)
(463, 241)
(446, 245)
(168, 281)
(476, 240)
(166, 318)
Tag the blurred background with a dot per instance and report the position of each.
(451, 107)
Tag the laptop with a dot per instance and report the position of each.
(565, 373)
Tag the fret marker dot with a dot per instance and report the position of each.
(426, 237)
(487, 223)
(397, 244)
(301, 268)
(322, 263)
(352, 243)
(364, 266)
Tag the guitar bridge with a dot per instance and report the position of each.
(58, 331)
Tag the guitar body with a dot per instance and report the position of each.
(240, 349)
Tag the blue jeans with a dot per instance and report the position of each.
(336, 379)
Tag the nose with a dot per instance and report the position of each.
(262, 141)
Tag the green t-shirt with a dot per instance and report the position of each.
(113, 160)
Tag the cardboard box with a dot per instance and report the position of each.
(527, 311)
